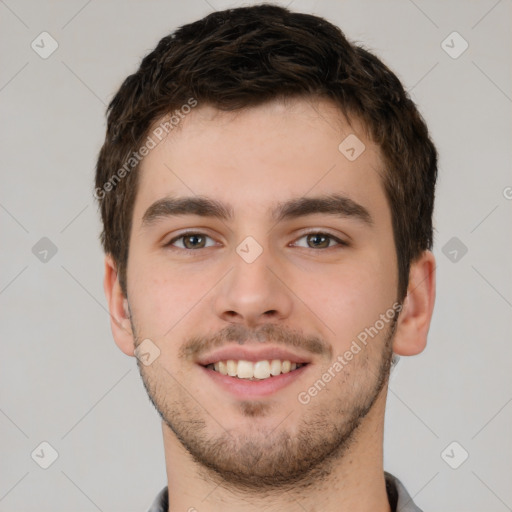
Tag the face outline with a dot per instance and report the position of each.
(288, 296)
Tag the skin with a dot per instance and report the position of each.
(328, 452)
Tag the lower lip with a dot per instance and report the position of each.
(243, 388)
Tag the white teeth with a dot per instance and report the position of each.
(231, 367)
(275, 367)
(259, 370)
(223, 368)
(245, 369)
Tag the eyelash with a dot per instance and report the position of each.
(169, 245)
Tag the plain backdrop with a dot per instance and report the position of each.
(64, 382)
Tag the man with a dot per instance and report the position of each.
(266, 190)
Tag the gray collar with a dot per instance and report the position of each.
(398, 497)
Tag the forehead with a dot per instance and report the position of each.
(255, 158)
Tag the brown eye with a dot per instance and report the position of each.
(193, 241)
(319, 240)
(190, 241)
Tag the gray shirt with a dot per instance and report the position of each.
(398, 497)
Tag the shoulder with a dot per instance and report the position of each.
(398, 496)
(161, 502)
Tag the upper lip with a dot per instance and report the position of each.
(253, 354)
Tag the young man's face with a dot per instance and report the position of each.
(258, 288)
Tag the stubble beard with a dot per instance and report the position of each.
(264, 460)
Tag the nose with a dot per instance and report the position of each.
(254, 292)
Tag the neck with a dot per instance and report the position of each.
(353, 482)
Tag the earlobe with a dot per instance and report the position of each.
(414, 320)
(118, 308)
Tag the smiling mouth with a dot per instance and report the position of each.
(259, 370)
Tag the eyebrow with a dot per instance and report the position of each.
(333, 204)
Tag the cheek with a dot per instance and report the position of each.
(352, 298)
(162, 300)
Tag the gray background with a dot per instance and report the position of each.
(62, 378)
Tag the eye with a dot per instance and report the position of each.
(195, 240)
(191, 241)
(321, 240)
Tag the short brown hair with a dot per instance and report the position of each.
(244, 57)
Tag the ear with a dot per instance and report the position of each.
(414, 319)
(118, 307)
